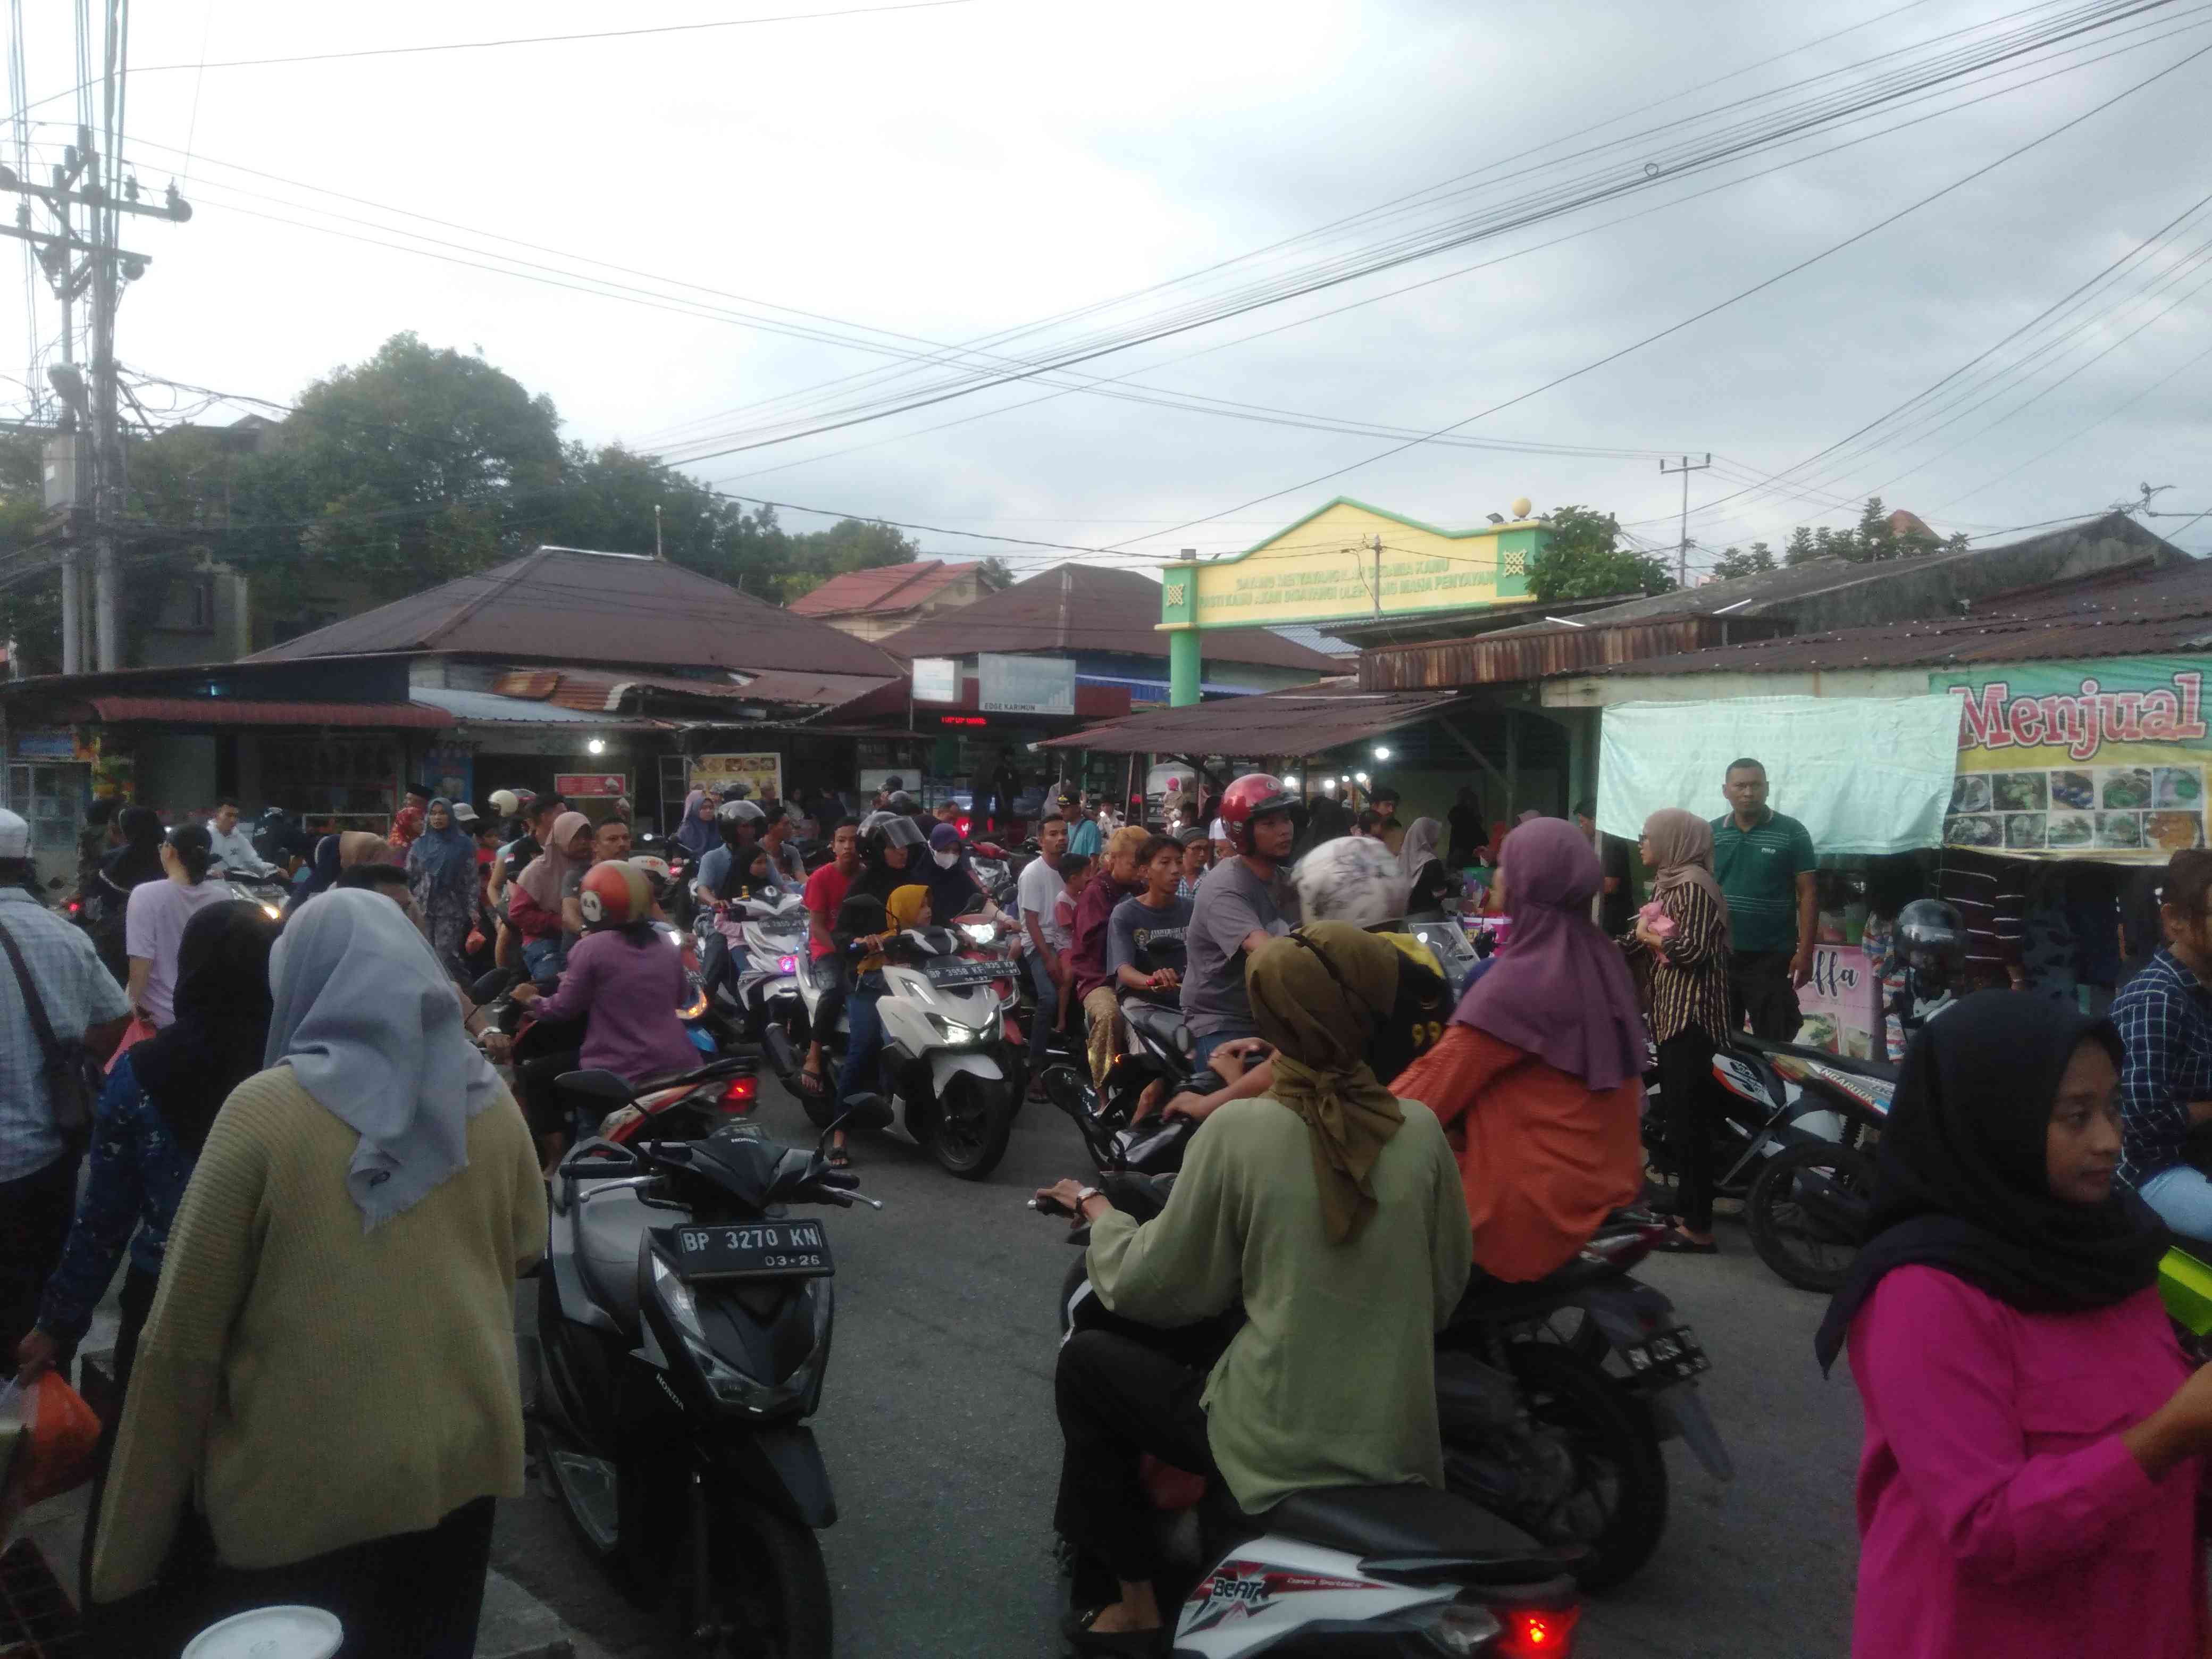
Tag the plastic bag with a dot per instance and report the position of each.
(58, 1441)
(135, 1032)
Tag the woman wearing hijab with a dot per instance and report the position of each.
(1688, 961)
(866, 932)
(1429, 883)
(316, 875)
(533, 905)
(407, 822)
(441, 871)
(2031, 1473)
(954, 891)
(328, 1374)
(697, 836)
(1539, 1078)
(1333, 1210)
(152, 1120)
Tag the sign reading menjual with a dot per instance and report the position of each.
(2103, 759)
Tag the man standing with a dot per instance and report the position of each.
(1765, 863)
(1241, 901)
(82, 1003)
(1036, 898)
(233, 847)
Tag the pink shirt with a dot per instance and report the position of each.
(1998, 1511)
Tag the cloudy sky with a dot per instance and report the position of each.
(795, 221)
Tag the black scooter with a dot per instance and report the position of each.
(682, 1335)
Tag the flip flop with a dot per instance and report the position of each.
(1678, 1242)
(840, 1158)
(811, 1083)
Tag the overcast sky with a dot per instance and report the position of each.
(943, 174)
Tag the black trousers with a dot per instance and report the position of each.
(1759, 990)
(1119, 1398)
(1686, 1089)
(34, 1221)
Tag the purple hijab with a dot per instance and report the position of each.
(1562, 992)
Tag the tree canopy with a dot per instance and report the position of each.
(1584, 560)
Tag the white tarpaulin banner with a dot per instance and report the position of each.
(1025, 685)
(1863, 774)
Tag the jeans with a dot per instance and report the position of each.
(35, 1211)
(863, 1044)
(1118, 1399)
(1214, 1040)
(1047, 1009)
(2182, 1198)
(544, 959)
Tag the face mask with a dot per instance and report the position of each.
(945, 860)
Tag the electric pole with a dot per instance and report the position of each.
(1682, 555)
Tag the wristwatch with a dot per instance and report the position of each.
(1084, 1196)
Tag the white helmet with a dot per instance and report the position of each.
(505, 803)
(1350, 879)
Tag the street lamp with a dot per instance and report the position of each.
(1291, 780)
(1382, 752)
(1360, 778)
(597, 746)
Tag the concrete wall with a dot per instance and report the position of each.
(174, 774)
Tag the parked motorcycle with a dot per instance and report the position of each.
(1344, 1570)
(946, 1049)
(683, 1340)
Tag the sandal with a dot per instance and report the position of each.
(840, 1158)
(811, 1083)
(1678, 1242)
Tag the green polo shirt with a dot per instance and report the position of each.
(1758, 869)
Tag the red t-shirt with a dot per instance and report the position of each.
(825, 890)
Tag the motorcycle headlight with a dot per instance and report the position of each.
(953, 1030)
(272, 913)
(979, 932)
(694, 1008)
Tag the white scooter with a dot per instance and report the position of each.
(944, 1020)
(764, 928)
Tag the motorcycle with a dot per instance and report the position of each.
(1553, 1395)
(683, 1338)
(1345, 1570)
(1794, 1145)
(760, 987)
(946, 1049)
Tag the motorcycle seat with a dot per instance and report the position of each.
(609, 1224)
(1410, 1523)
(1484, 1293)
(1164, 1025)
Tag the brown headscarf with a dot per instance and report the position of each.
(1682, 853)
(549, 872)
(1316, 995)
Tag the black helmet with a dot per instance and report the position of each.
(901, 802)
(1930, 943)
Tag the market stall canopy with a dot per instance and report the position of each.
(1302, 721)
(1869, 774)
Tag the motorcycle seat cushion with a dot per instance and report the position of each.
(1410, 1522)
(608, 1225)
(1163, 1024)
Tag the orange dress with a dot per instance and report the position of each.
(1543, 1157)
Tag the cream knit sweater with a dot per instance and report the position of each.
(311, 1386)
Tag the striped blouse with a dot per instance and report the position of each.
(1689, 973)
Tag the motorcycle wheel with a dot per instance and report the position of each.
(1618, 1507)
(1805, 1211)
(771, 1591)
(975, 1117)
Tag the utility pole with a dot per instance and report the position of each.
(1378, 577)
(657, 554)
(1682, 556)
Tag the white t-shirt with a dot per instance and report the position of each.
(153, 926)
(1036, 895)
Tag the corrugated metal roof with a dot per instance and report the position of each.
(1302, 720)
(2161, 613)
(489, 706)
(238, 711)
(567, 604)
(600, 691)
(1313, 639)
(885, 588)
(1495, 658)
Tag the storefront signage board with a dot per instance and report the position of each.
(936, 679)
(1842, 1002)
(718, 772)
(1025, 685)
(2104, 759)
(586, 786)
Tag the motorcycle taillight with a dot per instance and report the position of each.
(1537, 1632)
(741, 1094)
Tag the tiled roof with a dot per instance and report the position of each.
(1302, 720)
(890, 587)
(1088, 607)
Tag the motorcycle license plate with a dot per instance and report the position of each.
(963, 973)
(756, 1249)
(1672, 1354)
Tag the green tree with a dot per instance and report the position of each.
(1584, 560)
(849, 544)
(1735, 562)
(1800, 549)
(995, 575)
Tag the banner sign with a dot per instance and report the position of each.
(1026, 686)
(2103, 759)
(936, 679)
(1842, 1003)
(718, 772)
(591, 785)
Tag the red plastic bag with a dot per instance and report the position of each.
(59, 1439)
(136, 1031)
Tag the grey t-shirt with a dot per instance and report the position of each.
(1140, 937)
(1231, 903)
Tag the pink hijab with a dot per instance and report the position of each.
(1560, 991)
(549, 871)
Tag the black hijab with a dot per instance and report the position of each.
(138, 860)
(216, 1043)
(1961, 1180)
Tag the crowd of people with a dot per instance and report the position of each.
(305, 1166)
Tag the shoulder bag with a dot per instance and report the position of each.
(73, 1080)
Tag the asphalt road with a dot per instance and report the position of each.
(937, 1423)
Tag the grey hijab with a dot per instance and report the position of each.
(368, 1023)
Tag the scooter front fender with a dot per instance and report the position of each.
(946, 1064)
(782, 1468)
(1678, 1410)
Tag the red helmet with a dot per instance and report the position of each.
(1252, 797)
(614, 894)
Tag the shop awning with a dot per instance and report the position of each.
(238, 711)
(1866, 775)
(1304, 721)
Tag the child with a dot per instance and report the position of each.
(1076, 870)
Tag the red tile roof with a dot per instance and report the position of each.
(886, 587)
(235, 711)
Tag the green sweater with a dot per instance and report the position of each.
(308, 1384)
(1332, 1381)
